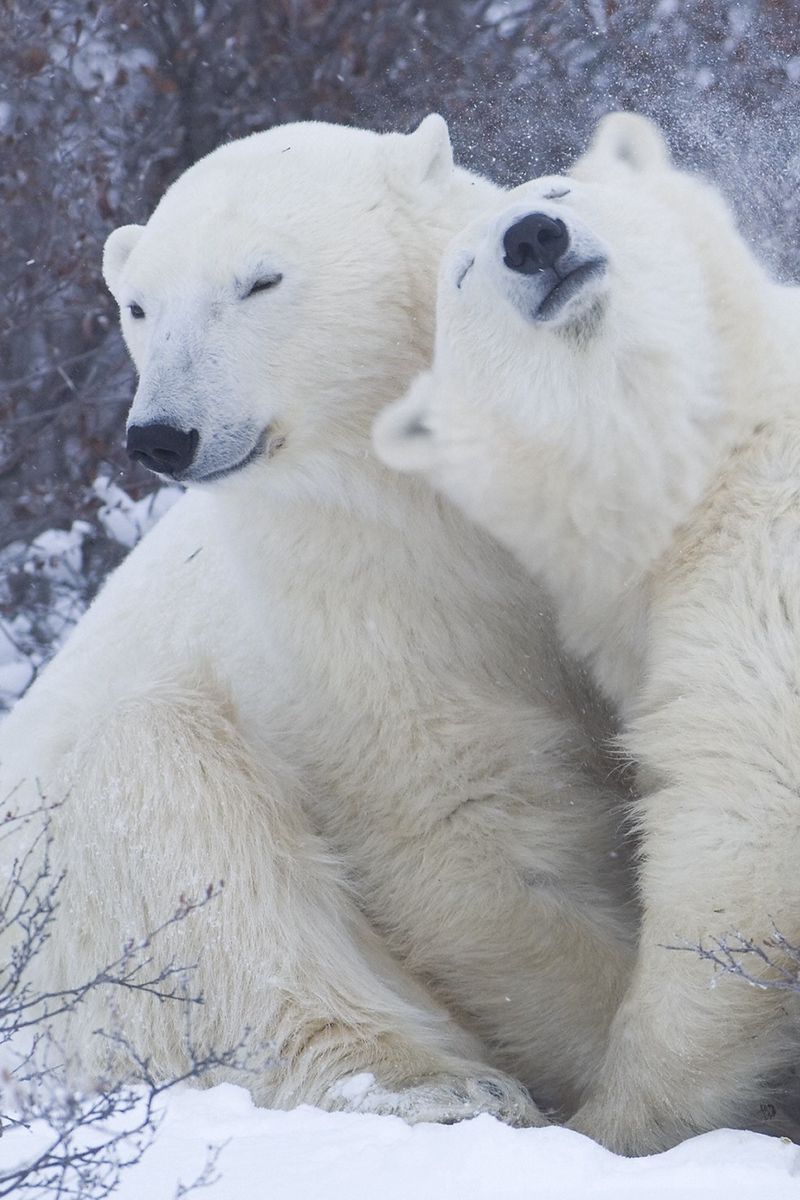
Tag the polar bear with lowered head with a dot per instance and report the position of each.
(612, 396)
(317, 682)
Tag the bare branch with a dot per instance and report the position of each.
(772, 965)
(93, 1137)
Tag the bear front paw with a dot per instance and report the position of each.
(443, 1099)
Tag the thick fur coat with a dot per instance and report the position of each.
(316, 681)
(632, 437)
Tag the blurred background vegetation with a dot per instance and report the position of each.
(104, 102)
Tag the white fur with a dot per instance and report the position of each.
(587, 445)
(316, 681)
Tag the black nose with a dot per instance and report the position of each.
(535, 243)
(162, 448)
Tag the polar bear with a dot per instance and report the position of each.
(613, 396)
(317, 682)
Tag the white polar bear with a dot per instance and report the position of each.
(609, 397)
(316, 681)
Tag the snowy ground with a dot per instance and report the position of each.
(311, 1155)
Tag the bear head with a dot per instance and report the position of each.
(581, 301)
(600, 341)
(282, 290)
(597, 321)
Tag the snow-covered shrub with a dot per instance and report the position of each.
(83, 1140)
(46, 584)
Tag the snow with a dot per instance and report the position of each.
(16, 674)
(311, 1155)
(57, 554)
(27, 641)
(127, 520)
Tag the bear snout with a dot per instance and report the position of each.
(162, 448)
(535, 243)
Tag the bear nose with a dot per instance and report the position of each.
(162, 448)
(535, 243)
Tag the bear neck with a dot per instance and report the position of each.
(615, 502)
(608, 482)
(367, 552)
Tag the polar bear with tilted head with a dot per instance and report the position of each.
(614, 397)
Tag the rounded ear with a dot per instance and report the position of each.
(116, 251)
(401, 435)
(631, 139)
(427, 153)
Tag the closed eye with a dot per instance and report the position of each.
(263, 285)
(556, 194)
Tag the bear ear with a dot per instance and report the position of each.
(631, 139)
(428, 153)
(401, 435)
(116, 251)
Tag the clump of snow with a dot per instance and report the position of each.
(57, 554)
(311, 1155)
(127, 520)
(30, 635)
(355, 1087)
(94, 60)
(16, 673)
